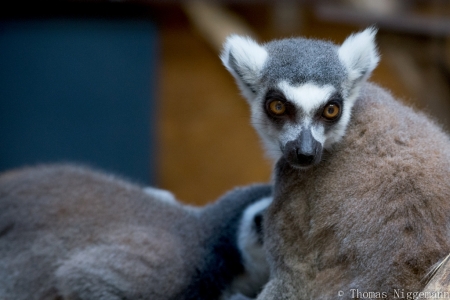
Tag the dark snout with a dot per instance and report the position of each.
(304, 151)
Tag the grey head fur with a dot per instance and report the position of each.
(299, 60)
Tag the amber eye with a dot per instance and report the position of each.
(277, 107)
(331, 111)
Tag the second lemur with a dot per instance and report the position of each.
(362, 191)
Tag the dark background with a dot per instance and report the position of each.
(137, 88)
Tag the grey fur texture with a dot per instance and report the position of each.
(68, 232)
(369, 216)
(299, 60)
(373, 216)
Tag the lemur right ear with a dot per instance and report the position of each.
(359, 54)
(244, 59)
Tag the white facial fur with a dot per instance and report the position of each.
(358, 56)
(308, 98)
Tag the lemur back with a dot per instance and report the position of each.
(74, 233)
(362, 183)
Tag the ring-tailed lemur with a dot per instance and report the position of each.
(361, 203)
(74, 233)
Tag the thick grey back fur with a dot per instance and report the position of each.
(372, 216)
(71, 233)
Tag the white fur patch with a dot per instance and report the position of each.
(245, 51)
(161, 194)
(308, 96)
(359, 54)
(253, 253)
(338, 130)
(292, 131)
(249, 58)
(318, 133)
(269, 134)
(250, 213)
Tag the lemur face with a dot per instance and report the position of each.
(301, 92)
(299, 121)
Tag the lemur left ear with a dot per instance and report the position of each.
(359, 54)
(244, 59)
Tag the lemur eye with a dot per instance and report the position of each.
(277, 107)
(331, 111)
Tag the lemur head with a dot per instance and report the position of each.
(301, 91)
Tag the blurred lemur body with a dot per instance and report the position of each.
(362, 194)
(68, 232)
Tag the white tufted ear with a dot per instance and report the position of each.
(244, 59)
(359, 55)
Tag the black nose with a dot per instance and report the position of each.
(304, 151)
(304, 159)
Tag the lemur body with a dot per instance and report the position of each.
(362, 182)
(69, 232)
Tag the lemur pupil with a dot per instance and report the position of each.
(277, 107)
(331, 112)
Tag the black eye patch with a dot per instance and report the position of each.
(335, 102)
(289, 110)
